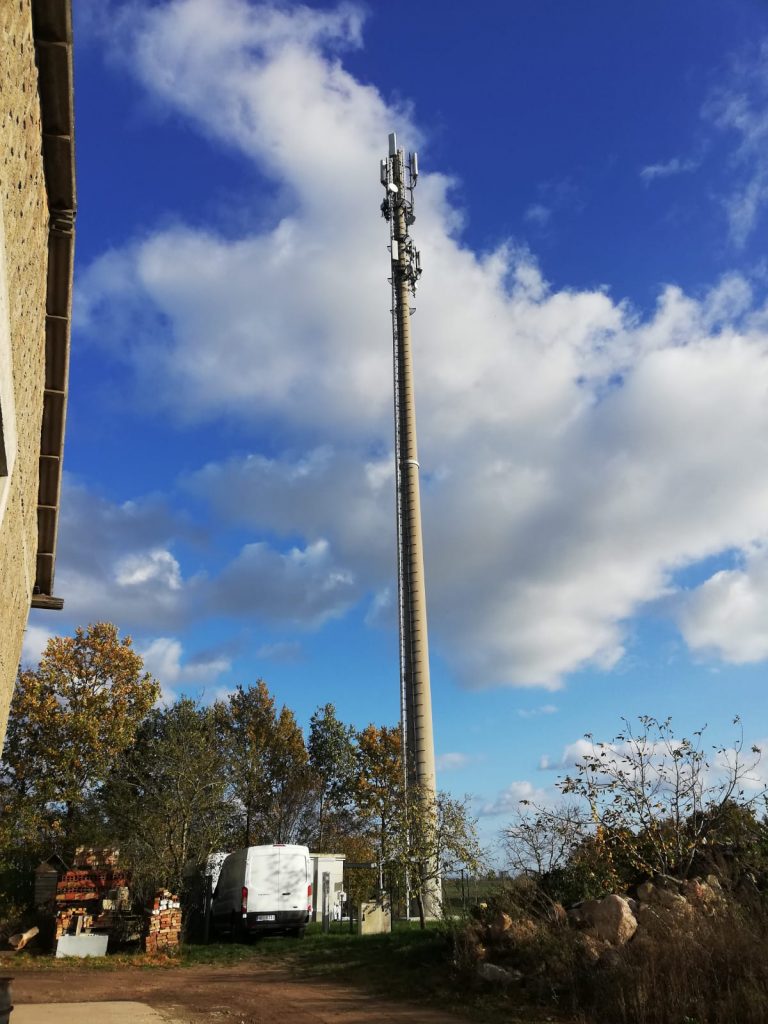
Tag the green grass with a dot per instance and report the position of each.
(407, 951)
(398, 961)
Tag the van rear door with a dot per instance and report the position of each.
(294, 879)
(227, 899)
(263, 880)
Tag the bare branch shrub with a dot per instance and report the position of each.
(656, 799)
(540, 840)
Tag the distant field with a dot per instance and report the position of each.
(458, 895)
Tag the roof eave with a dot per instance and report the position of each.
(52, 29)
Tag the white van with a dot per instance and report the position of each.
(264, 889)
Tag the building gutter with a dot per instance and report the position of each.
(52, 30)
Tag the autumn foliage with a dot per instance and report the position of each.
(92, 758)
(70, 720)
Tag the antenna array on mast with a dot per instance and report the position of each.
(399, 178)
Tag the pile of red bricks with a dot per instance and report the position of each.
(76, 887)
(66, 919)
(92, 894)
(163, 923)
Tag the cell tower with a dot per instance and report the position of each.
(399, 179)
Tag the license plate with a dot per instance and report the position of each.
(265, 917)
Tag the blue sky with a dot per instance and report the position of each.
(591, 356)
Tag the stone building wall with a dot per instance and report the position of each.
(23, 266)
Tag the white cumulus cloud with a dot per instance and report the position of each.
(727, 615)
(304, 586)
(164, 658)
(157, 567)
(36, 638)
(575, 454)
(114, 561)
(510, 799)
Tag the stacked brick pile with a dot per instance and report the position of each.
(76, 887)
(95, 891)
(94, 859)
(116, 902)
(66, 920)
(163, 922)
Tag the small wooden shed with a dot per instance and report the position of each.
(47, 875)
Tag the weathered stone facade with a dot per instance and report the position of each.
(24, 258)
(24, 265)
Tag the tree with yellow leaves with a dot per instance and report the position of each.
(380, 785)
(70, 719)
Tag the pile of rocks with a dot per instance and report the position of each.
(604, 925)
(659, 906)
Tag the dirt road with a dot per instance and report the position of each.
(251, 994)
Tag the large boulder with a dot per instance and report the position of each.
(579, 914)
(609, 919)
(660, 896)
(670, 900)
(656, 919)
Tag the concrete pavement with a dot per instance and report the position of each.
(88, 1013)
